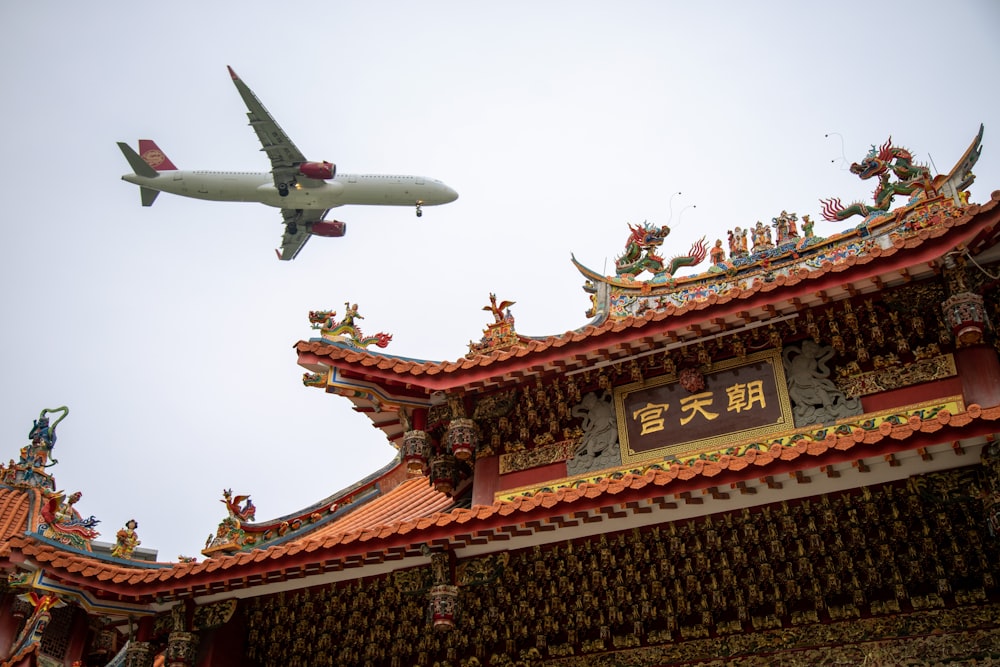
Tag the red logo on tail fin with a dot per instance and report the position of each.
(154, 157)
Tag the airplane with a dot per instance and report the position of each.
(304, 191)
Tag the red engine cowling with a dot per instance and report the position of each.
(334, 228)
(320, 170)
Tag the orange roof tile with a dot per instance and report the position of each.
(16, 506)
(412, 499)
(414, 506)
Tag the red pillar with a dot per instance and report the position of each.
(979, 368)
(485, 480)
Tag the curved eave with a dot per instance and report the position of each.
(393, 543)
(907, 259)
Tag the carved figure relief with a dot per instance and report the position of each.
(598, 446)
(815, 398)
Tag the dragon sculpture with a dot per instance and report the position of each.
(640, 252)
(883, 163)
(345, 329)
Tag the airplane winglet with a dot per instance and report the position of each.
(277, 252)
(232, 73)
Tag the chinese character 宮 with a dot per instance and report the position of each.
(651, 417)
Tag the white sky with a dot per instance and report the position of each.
(168, 331)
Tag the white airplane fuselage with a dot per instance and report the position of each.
(344, 189)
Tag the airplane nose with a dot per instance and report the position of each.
(450, 195)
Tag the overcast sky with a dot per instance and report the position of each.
(168, 331)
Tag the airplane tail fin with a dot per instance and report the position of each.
(154, 157)
(148, 163)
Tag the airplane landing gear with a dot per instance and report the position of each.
(292, 226)
(420, 211)
(283, 189)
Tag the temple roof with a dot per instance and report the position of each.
(385, 533)
(372, 380)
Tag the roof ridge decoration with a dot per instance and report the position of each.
(60, 519)
(29, 471)
(230, 535)
(500, 335)
(639, 254)
(345, 330)
(788, 252)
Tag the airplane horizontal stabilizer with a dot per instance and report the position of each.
(148, 195)
(139, 166)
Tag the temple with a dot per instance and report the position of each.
(789, 456)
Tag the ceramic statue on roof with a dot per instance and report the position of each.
(640, 252)
(230, 536)
(63, 522)
(36, 456)
(345, 330)
(499, 335)
(883, 162)
(126, 540)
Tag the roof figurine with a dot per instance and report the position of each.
(230, 535)
(911, 179)
(498, 335)
(345, 330)
(640, 253)
(36, 456)
(126, 540)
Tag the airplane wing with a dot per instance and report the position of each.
(298, 224)
(284, 155)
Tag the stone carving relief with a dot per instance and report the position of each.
(815, 398)
(598, 448)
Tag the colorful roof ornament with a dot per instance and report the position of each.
(499, 335)
(911, 179)
(783, 251)
(345, 330)
(230, 535)
(640, 255)
(29, 470)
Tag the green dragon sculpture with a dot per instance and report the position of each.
(882, 163)
(640, 252)
(345, 329)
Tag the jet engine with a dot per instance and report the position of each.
(334, 228)
(319, 170)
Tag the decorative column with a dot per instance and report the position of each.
(443, 472)
(443, 596)
(461, 438)
(965, 315)
(182, 649)
(416, 448)
(139, 654)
